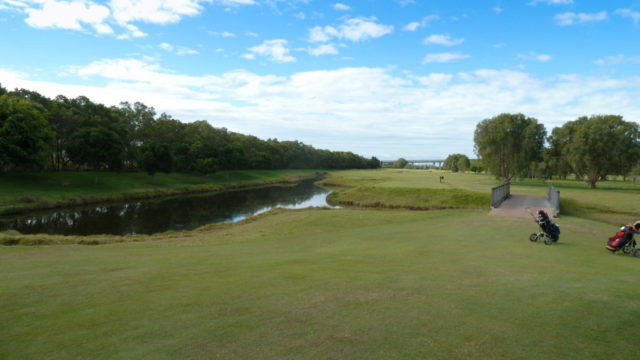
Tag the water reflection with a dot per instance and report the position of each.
(170, 214)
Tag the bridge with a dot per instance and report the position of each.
(506, 204)
(436, 163)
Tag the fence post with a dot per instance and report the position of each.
(553, 197)
(499, 193)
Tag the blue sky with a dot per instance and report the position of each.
(380, 78)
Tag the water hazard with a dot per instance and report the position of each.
(184, 213)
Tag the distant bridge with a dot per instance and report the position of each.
(437, 163)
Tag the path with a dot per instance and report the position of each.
(517, 205)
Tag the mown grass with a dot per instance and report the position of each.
(409, 198)
(615, 202)
(327, 284)
(29, 191)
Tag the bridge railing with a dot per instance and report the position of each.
(499, 194)
(553, 197)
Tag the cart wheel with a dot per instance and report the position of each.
(627, 250)
(533, 237)
(636, 252)
(547, 240)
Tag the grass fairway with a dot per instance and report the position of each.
(613, 202)
(328, 284)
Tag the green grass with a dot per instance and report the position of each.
(410, 198)
(613, 202)
(327, 284)
(28, 191)
(333, 284)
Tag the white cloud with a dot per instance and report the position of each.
(535, 57)
(571, 18)
(340, 7)
(224, 34)
(551, 2)
(249, 56)
(355, 29)
(412, 26)
(274, 50)
(617, 60)
(70, 16)
(497, 9)
(186, 51)
(133, 32)
(372, 111)
(300, 15)
(324, 49)
(237, 2)
(635, 15)
(166, 47)
(445, 40)
(78, 15)
(426, 21)
(443, 57)
(153, 11)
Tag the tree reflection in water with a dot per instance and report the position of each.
(183, 213)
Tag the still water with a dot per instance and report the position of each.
(184, 213)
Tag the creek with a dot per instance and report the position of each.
(176, 213)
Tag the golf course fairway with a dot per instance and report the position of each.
(328, 284)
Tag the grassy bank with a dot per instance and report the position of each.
(30, 191)
(327, 284)
(413, 199)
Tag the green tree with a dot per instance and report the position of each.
(599, 145)
(96, 147)
(25, 136)
(558, 142)
(463, 163)
(400, 163)
(508, 143)
(456, 162)
(156, 157)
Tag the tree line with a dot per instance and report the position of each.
(39, 133)
(590, 147)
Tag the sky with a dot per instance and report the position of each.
(395, 78)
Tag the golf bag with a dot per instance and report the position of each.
(550, 230)
(623, 240)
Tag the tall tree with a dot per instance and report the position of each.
(25, 135)
(456, 162)
(508, 143)
(156, 157)
(463, 163)
(400, 163)
(96, 147)
(599, 145)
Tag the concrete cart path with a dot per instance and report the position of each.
(517, 205)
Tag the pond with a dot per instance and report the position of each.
(183, 213)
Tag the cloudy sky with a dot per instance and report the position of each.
(388, 78)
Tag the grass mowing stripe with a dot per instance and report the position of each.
(327, 284)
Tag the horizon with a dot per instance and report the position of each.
(390, 79)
